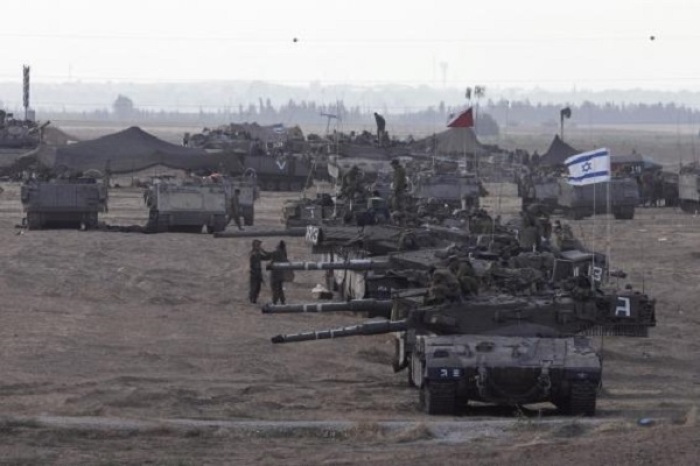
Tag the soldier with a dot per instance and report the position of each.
(277, 276)
(381, 126)
(399, 186)
(462, 268)
(236, 208)
(444, 286)
(351, 183)
(257, 255)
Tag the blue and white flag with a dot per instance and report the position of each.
(589, 167)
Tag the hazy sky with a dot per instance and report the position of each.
(554, 44)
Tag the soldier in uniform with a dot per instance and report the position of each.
(257, 255)
(351, 183)
(236, 208)
(381, 126)
(399, 186)
(444, 287)
(277, 276)
(465, 274)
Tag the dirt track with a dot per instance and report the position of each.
(151, 327)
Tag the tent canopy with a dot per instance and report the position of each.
(557, 153)
(454, 141)
(134, 149)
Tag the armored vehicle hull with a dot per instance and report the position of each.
(194, 205)
(452, 190)
(689, 191)
(584, 201)
(183, 207)
(73, 203)
(452, 370)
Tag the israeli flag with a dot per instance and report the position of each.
(589, 167)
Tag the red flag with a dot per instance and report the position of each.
(462, 120)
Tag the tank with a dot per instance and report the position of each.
(579, 202)
(187, 206)
(19, 134)
(277, 155)
(502, 349)
(74, 202)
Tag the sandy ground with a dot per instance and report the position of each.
(107, 338)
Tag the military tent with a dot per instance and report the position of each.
(557, 153)
(134, 149)
(452, 142)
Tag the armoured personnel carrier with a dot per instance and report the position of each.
(454, 190)
(503, 349)
(583, 201)
(689, 188)
(72, 202)
(194, 205)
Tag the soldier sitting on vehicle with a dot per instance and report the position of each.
(462, 269)
(444, 287)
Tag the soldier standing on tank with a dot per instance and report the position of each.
(277, 276)
(381, 126)
(257, 255)
(236, 208)
(399, 186)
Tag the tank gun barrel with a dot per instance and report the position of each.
(353, 264)
(368, 328)
(358, 305)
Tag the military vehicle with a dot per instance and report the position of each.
(279, 156)
(503, 349)
(454, 190)
(579, 202)
(305, 211)
(689, 188)
(192, 205)
(72, 202)
(539, 189)
(19, 133)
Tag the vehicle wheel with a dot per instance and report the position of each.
(33, 221)
(218, 225)
(581, 400)
(438, 398)
(91, 221)
(624, 213)
(576, 214)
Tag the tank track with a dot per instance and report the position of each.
(582, 399)
(439, 398)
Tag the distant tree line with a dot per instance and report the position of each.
(491, 115)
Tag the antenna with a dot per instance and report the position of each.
(329, 117)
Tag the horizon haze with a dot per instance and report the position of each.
(597, 45)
